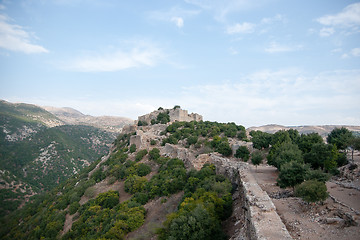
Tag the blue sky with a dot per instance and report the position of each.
(249, 62)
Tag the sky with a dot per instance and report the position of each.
(243, 61)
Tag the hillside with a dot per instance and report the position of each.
(71, 116)
(38, 151)
(171, 177)
(135, 187)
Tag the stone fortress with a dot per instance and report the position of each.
(176, 114)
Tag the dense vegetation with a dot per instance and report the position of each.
(211, 136)
(35, 157)
(305, 160)
(206, 196)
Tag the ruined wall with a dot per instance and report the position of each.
(254, 214)
(175, 115)
(183, 116)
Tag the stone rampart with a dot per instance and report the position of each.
(254, 208)
(177, 114)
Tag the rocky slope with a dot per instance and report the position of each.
(38, 150)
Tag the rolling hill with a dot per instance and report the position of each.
(39, 150)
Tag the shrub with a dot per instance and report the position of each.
(142, 123)
(192, 140)
(317, 175)
(142, 169)
(90, 192)
(256, 158)
(243, 153)
(134, 184)
(111, 180)
(154, 154)
(74, 207)
(132, 148)
(108, 199)
(140, 155)
(152, 142)
(312, 191)
(225, 149)
(141, 197)
(291, 174)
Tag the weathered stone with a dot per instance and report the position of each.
(177, 114)
(137, 140)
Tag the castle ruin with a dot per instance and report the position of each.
(176, 114)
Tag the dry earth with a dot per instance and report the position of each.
(328, 221)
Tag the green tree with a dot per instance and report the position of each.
(197, 224)
(154, 154)
(306, 141)
(140, 155)
(134, 184)
(73, 207)
(163, 118)
(260, 139)
(312, 191)
(224, 148)
(354, 143)
(243, 153)
(317, 175)
(256, 158)
(108, 199)
(142, 169)
(283, 153)
(322, 156)
(280, 137)
(341, 137)
(132, 148)
(291, 174)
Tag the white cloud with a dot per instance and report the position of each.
(178, 21)
(288, 97)
(2, 7)
(221, 9)
(271, 20)
(344, 56)
(14, 38)
(355, 52)
(245, 27)
(275, 47)
(175, 15)
(348, 17)
(326, 32)
(141, 54)
(233, 51)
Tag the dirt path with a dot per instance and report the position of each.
(305, 221)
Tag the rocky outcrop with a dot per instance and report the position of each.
(174, 151)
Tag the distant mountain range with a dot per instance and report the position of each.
(40, 148)
(71, 116)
